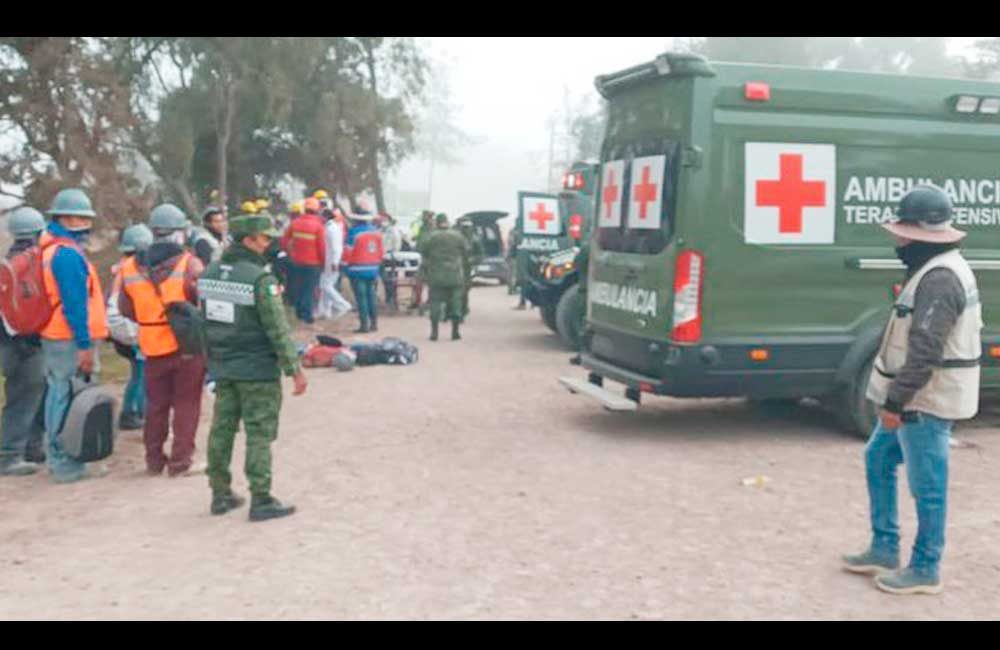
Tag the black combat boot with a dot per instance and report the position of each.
(434, 330)
(223, 503)
(374, 324)
(454, 331)
(363, 329)
(267, 507)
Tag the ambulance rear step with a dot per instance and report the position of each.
(605, 398)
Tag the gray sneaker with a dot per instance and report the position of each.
(871, 562)
(91, 471)
(908, 581)
(17, 467)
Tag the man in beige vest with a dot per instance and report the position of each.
(925, 376)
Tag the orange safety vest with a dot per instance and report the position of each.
(58, 328)
(156, 339)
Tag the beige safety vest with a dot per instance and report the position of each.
(952, 393)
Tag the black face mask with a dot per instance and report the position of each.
(916, 254)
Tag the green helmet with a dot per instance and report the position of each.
(441, 218)
(136, 238)
(167, 216)
(926, 203)
(72, 202)
(25, 222)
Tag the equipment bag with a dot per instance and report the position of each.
(23, 301)
(88, 428)
(188, 327)
(397, 352)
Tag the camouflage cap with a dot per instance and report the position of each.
(253, 224)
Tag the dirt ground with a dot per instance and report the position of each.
(472, 486)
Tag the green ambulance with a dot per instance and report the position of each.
(552, 282)
(737, 249)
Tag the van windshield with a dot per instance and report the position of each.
(644, 232)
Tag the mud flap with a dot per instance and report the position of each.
(605, 398)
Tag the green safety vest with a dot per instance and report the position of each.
(238, 345)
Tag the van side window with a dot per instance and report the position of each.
(642, 241)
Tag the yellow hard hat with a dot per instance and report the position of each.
(262, 203)
(249, 207)
(320, 194)
(296, 208)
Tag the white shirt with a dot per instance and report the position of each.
(334, 244)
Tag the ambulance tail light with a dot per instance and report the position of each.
(757, 91)
(689, 274)
(576, 227)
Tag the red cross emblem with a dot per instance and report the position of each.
(790, 193)
(541, 217)
(644, 192)
(610, 193)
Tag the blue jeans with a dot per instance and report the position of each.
(305, 279)
(364, 293)
(60, 367)
(134, 400)
(24, 388)
(923, 445)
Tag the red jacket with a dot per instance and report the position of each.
(305, 240)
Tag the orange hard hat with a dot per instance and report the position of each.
(311, 205)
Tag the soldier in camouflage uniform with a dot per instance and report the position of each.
(445, 256)
(249, 346)
(476, 256)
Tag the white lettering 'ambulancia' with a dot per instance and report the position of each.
(790, 193)
(630, 299)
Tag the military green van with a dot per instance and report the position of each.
(738, 250)
(552, 280)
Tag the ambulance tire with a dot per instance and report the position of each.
(855, 412)
(567, 323)
(548, 313)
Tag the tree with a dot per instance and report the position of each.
(438, 138)
(986, 65)
(64, 106)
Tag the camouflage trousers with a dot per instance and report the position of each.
(446, 303)
(257, 403)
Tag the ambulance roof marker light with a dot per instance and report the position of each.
(967, 104)
(990, 106)
(757, 91)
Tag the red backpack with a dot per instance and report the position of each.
(23, 302)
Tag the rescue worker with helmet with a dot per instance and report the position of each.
(444, 257)
(210, 238)
(305, 242)
(79, 321)
(363, 253)
(249, 347)
(23, 370)
(166, 273)
(925, 376)
(125, 331)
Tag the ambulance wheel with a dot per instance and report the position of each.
(567, 323)
(855, 412)
(548, 313)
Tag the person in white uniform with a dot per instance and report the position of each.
(332, 305)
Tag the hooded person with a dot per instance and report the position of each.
(163, 274)
(364, 251)
(925, 376)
